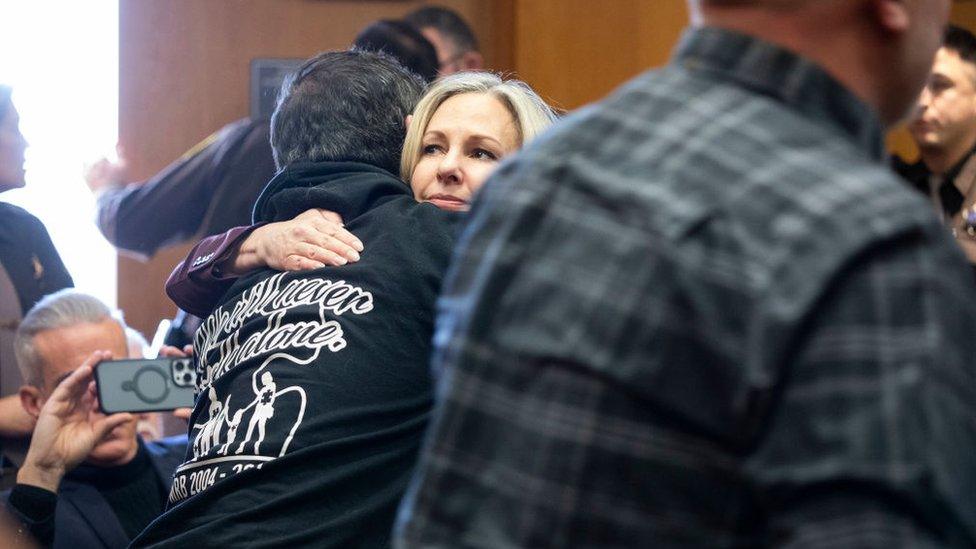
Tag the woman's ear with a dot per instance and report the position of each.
(31, 399)
(407, 120)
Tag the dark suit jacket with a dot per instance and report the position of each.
(84, 519)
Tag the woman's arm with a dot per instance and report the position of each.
(314, 239)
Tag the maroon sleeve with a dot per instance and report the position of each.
(196, 284)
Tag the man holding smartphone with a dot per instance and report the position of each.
(87, 480)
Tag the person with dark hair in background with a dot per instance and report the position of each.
(943, 127)
(212, 188)
(403, 42)
(313, 386)
(704, 313)
(30, 268)
(455, 42)
(88, 480)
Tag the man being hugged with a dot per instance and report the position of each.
(314, 387)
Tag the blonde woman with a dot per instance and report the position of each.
(461, 128)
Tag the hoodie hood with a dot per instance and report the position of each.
(329, 185)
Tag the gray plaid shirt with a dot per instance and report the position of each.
(702, 313)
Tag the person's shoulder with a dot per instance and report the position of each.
(9, 211)
(15, 216)
(421, 223)
(247, 126)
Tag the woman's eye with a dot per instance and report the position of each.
(431, 149)
(482, 154)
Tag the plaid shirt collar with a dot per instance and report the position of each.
(771, 70)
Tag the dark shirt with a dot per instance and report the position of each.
(110, 505)
(29, 256)
(918, 175)
(314, 387)
(209, 190)
(702, 313)
(30, 268)
(133, 491)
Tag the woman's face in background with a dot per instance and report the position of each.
(462, 144)
(12, 147)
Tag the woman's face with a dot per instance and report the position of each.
(12, 147)
(466, 137)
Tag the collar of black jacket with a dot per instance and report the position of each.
(347, 188)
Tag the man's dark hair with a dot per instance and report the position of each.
(960, 41)
(404, 43)
(446, 22)
(345, 106)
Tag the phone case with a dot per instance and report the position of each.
(145, 385)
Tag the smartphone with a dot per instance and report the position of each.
(145, 385)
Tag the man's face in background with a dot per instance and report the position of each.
(945, 117)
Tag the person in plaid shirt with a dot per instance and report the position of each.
(703, 313)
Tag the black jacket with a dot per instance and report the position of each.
(83, 518)
(314, 386)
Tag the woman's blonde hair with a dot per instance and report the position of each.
(531, 114)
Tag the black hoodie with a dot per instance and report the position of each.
(314, 387)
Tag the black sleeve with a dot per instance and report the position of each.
(34, 508)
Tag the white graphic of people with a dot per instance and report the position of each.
(209, 434)
(232, 426)
(263, 411)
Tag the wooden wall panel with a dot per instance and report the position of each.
(576, 51)
(184, 72)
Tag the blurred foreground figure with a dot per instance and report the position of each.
(702, 313)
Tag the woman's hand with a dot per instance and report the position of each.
(314, 239)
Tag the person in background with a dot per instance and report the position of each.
(30, 268)
(704, 313)
(212, 187)
(404, 43)
(943, 128)
(88, 480)
(455, 42)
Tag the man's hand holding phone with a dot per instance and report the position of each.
(172, 352)
(68, 428)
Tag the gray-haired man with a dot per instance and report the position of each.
(87, 480)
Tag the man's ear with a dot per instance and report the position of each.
(472, 61)
(31, 399)
(892, 15)
(407, 120)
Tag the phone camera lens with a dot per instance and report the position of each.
(187, 378)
